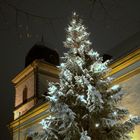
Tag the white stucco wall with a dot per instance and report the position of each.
(132, 99)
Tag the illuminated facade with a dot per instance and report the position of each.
(31, 83)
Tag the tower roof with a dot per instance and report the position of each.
(41, 52)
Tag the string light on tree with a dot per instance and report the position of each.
(74, 13)
(115, 113)
(69, 28)
(84, 95)
(97, 125)
(74, 21)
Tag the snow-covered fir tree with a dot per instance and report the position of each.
(84, 104)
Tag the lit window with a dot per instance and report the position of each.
(25, 90)
(29, 138)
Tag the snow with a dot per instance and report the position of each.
(84, 136)
(115, 87)
(93, 54)
(52, 89)
(68, 74)
(98, 67)
(82, 98)
(79, 79)
(52, 98)
(43, 122)
(78, 98)
(80, 62)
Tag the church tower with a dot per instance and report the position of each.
(30, 84)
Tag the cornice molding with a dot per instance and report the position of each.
(29, 115)
(127, 76)
(124, 62)
(37, 120)
(36, 64)
(22, 74)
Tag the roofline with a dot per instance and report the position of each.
(36, 64)
(126, 61)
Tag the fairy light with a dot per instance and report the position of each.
(115, 113)
(74, 13)
(69, 28)
(74, 21)
(97, 125)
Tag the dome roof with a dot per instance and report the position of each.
(41, 52)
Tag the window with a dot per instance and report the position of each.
(29, 138)
(25, 91)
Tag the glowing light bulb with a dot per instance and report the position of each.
(70, 28)
(83, 27)
(115, 113)
(80, 37)
(74, 13)
(88, 42)
(97, 125)
(74, 21)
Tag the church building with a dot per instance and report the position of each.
(40, 68)
(30, 85)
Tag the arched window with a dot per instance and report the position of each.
(25, 91)
(29, 138)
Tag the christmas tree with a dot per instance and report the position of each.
(84, 104)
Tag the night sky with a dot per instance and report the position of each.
(24, 22)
